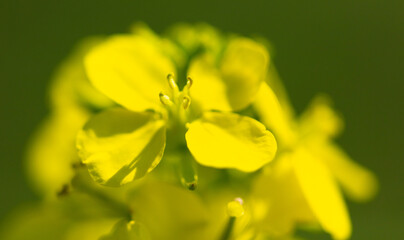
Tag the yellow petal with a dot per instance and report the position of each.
(168, 47)
(234, 83)
(320, 118)
(89, 230)
(130, 70)
(119, 146)
(322, 194)
(168, 211)
(357, 182)
(274, 81)
(243, 67)
(208, 90)
(70, 86)
(52, 152)
(278, 201)
(273, 116)
(195, 37)
(76, 216)
(227, 140)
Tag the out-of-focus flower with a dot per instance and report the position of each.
(120, 145)
(150, 210)
(311, 166)
(72, 100)
(76, 216)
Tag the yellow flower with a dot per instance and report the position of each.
(73, 217)
(304, 183)
(123, 144)
(159, 210)
(73, 100)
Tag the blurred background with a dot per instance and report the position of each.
(351, 50)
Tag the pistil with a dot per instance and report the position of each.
(179, 102)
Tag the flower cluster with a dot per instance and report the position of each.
(184, 135)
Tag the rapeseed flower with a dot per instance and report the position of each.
(310, 166)
(123, 144)
(203, 101)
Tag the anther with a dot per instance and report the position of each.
(186, 101)
(165, 100)
(171, 82)
(189, 82)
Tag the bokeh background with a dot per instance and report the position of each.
(351, 50)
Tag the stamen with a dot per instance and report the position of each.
(189, 82)
(171, 82)
(165, 100)
(186, 101)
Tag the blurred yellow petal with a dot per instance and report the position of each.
(209, 91)
(357, 182)
(168, 211)
(193, 40)
(227, 140)
(70, 85)
(52, 151)
(320, 118)
(168, 47)
(275, 83)
(130, 70)
(322, 193)
(191, 37)
(39, 222)
(89, 230)
(119, 146)
(70, 218)
(243, 67)
(232, 83)
(273, 116)
(278, 201)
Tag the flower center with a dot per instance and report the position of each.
(179, 102)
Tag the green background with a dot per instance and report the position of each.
(352, 50)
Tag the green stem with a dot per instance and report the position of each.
(187, 170)
(228, 230)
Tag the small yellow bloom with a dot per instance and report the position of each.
(123, 144)
(318, 168)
